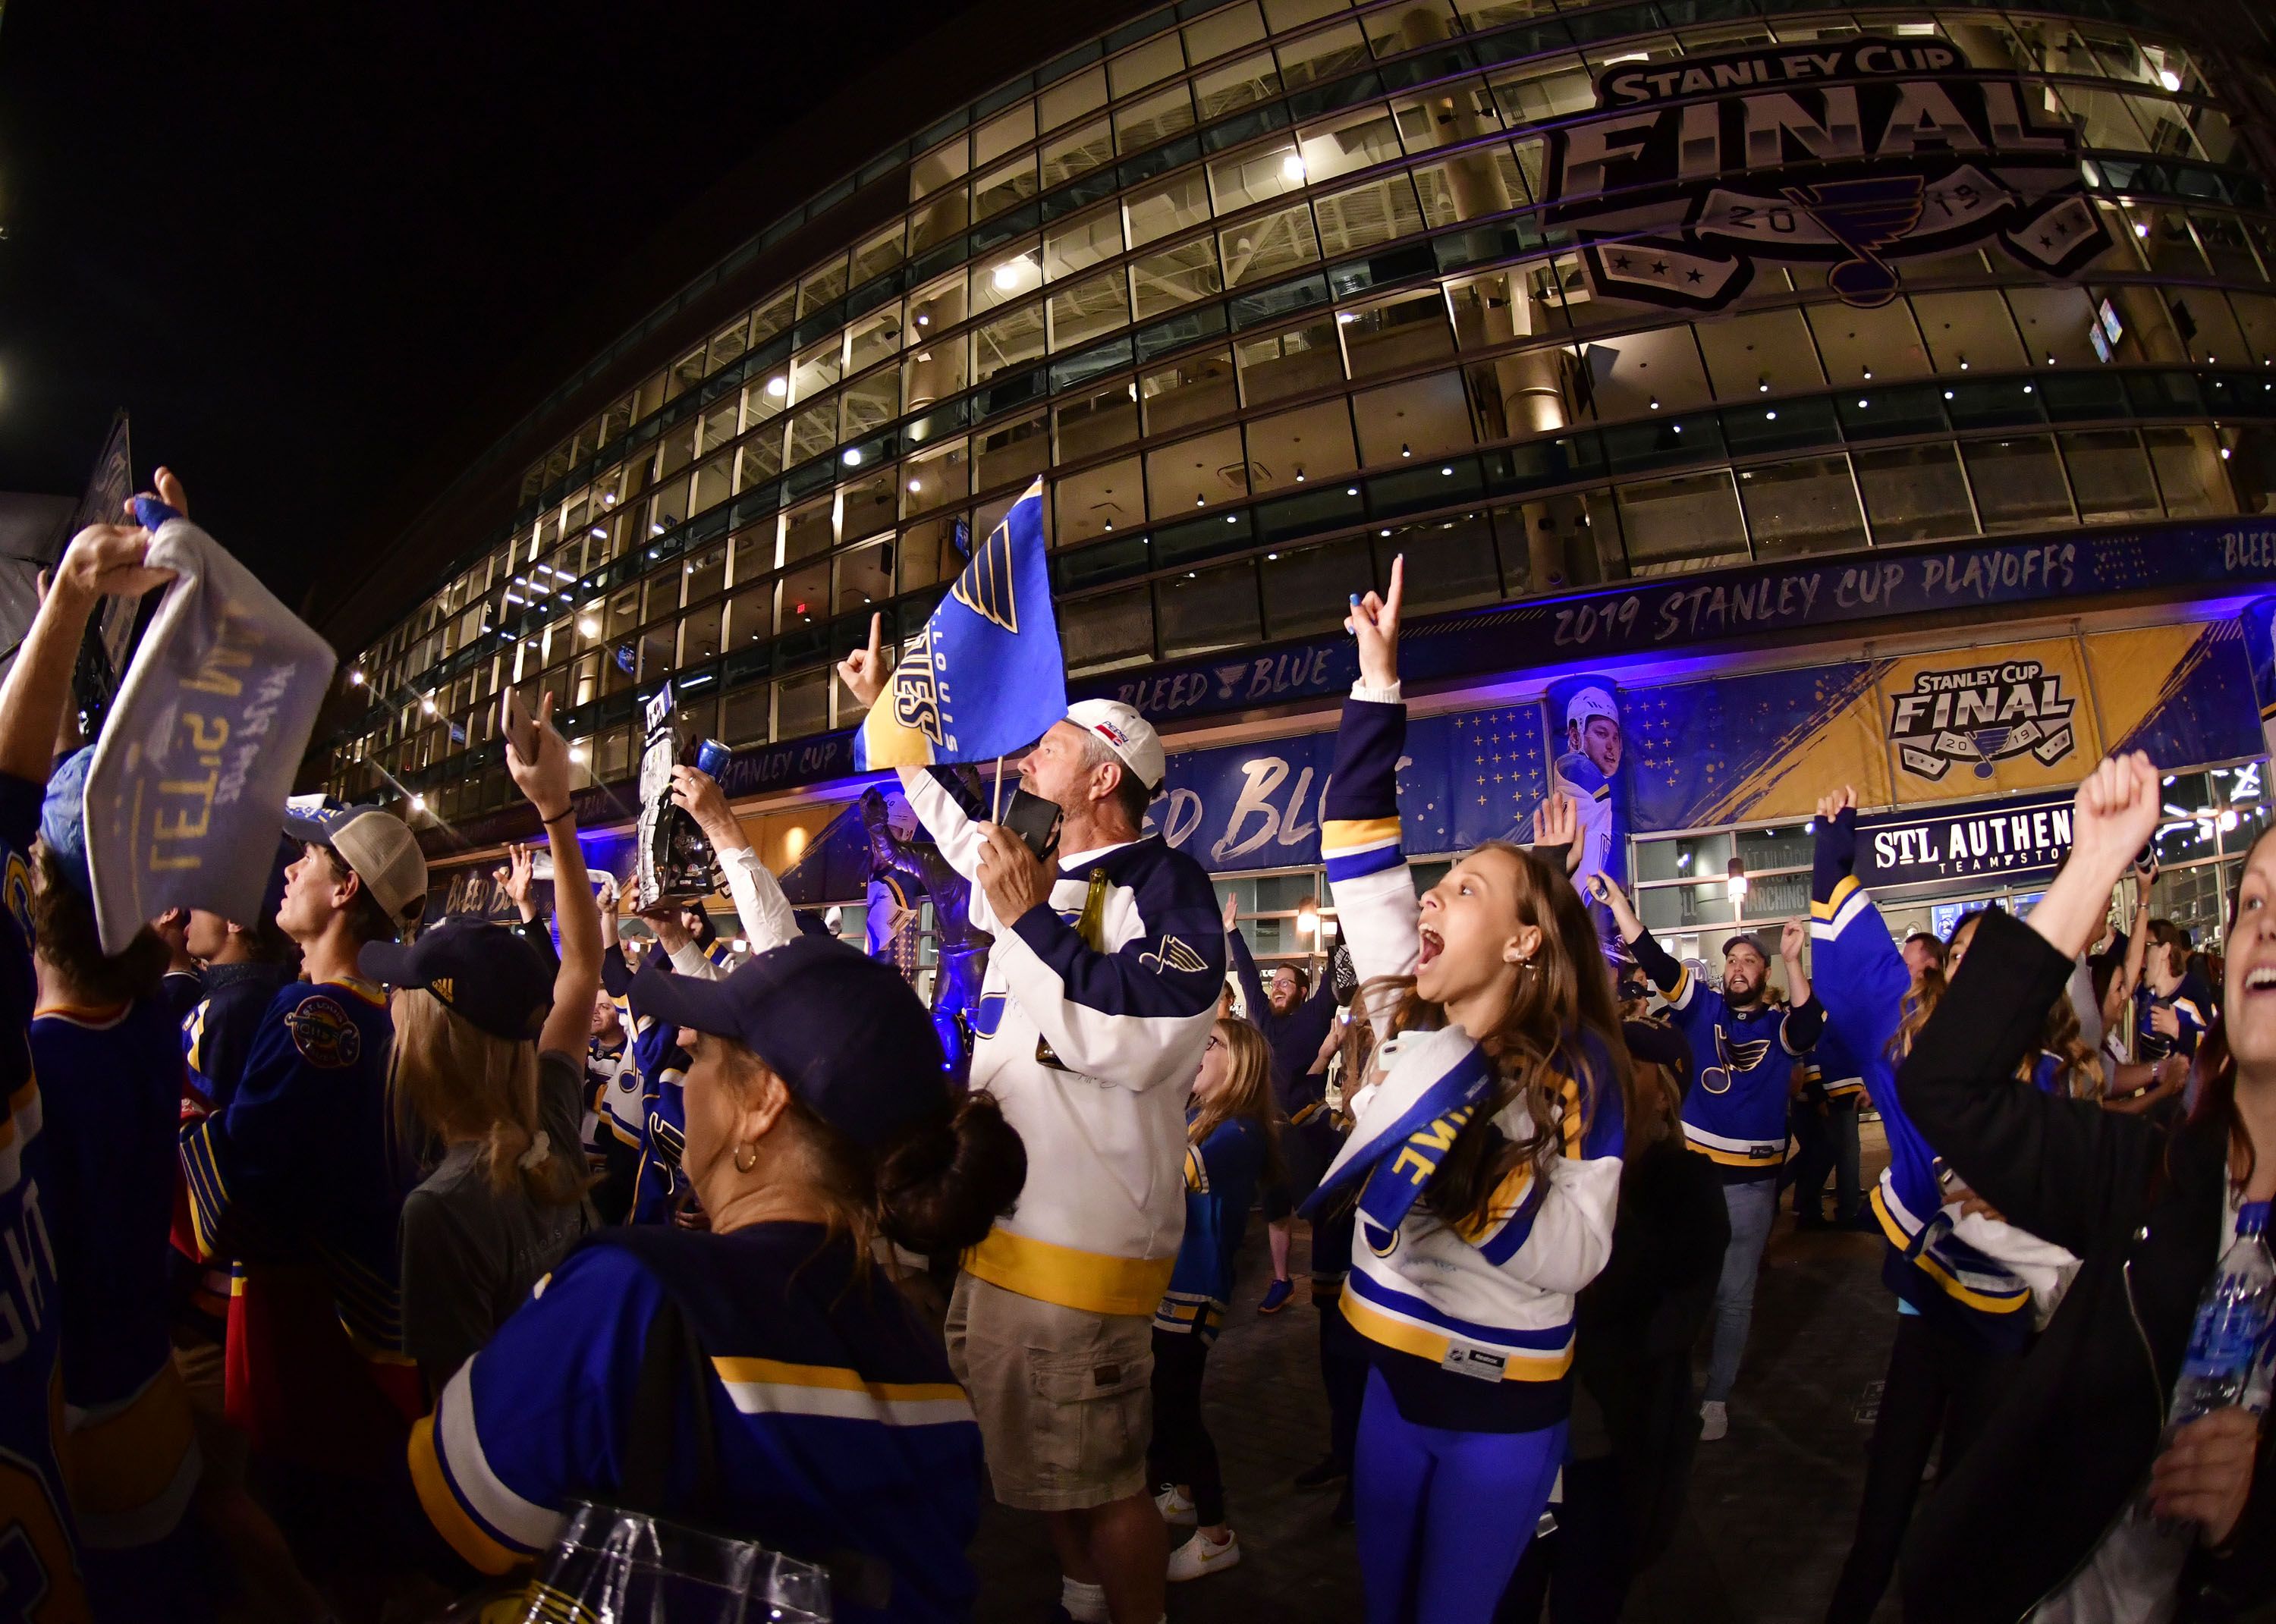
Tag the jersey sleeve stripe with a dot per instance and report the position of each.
(448, 1512)
(505, 1518)
(773, 1386)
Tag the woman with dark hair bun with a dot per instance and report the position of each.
(820, 1123)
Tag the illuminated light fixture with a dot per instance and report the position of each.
(778, 387)
(1869, 375)
(2227, 821)
(576, 752)
(915, 485)
(2027, 389)
(1270, 557)
(1947, 394)
(1736, 875)
(1404, 450)
(1770, 416)
(1963, 363)
(655, 529)
(1007, 276)
(1677, 427)
(1300, 475)
(1861, 403)
(1386, 533)
(1344, 318)
(1233, 519)
(419, 803)
(2224, 454)
(1199, 500)
(2170, 80)
(1109, 524)
(2051, 360)
(1762, 386)
(355, 679)
(1653, 403)
(520, 580)
(2141, 228)
(1292, 169)
(597, 534)
(589, 627)
(1351, 491)
(427, 704)
(852, 457)
(608, 498)
(1308, 917)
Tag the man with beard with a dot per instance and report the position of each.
(1735, 1113)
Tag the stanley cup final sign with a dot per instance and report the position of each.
(1856, 155)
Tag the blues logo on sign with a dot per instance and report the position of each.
(1856, 155)
(1980, 716)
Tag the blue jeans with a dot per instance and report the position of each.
(1750, 1206)
(1444, 1515)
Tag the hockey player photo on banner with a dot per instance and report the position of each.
(1590, 746)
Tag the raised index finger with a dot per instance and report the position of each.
(876, 632)
(1398, 591)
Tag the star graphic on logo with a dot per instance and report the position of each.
(1619, 261)
(1659, 268)
(1691, 276)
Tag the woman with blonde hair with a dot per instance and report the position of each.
(488, 1070)
(1230, 1150)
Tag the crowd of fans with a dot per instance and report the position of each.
(353, 1252)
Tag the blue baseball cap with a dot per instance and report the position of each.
(481, 971)
(845, 1033)
(63, 817)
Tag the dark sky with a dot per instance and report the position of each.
(294, 240)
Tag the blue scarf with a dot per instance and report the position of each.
(1432, 1085)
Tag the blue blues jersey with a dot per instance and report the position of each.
(36, 1527)
(1221, 1177)
(2189, 1015)
(1866, 987)
(218, 1031)
(113, 1097)
(1735, 1112)
(838, 1425)
(658, 1184)
(1840, 1074)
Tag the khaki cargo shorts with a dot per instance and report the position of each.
(1064, 1397)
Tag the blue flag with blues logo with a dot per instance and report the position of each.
(986, 677)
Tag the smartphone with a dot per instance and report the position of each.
(1036, 820)
(520, 727)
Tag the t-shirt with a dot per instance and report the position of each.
(837, 1423)
(471, 1254)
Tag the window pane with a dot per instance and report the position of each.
(1309, 588)
(1262, 250)
(1857, 345)
(1807, 505)
(1914, 493)
(929, 552)
(1144, 65)
(1456, 113)
(2018, 483)
(1003, 187)
(936, 477)
(2189, 471)
(935, 371)
(1397, 333)
(1255, 175)
(1200, 472)
(1177, 275)
(1090, 310)
(1154, 120)
(1097, 501)
(743, 714)
(1449, 561)
(806, 595)
(1746, 353)
(1015, 450)
(802, 704)
(1071, 98)
(813, 431)
(2109, 475)
(700, 636)
(880, 253)
(2054, 323)
(1208, 609)
(1969, 332)
(1420, 418)
(871, 401)
(1186, 391)
(1077, 153)
(1101, 633)
(1300, 360)
(1227, 89)
(1169, 206)
(1006, 275)
(1350, 140)
(1014, 340)
(865, 577)
(811, 529)
(1319, 58)
(1377, 212)
(816, 370)
(1542, 91)
(1296, 448)
(1682, 523)
(1078, 244)
(1002, 134)
(1105, 419)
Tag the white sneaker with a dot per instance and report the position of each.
(1714, 1421)
(1202, 1555)
(1177, 1510)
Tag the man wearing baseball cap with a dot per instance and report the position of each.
(1097, 1002)
(295, 1168)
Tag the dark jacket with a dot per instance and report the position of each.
(2140, 1200)
(1293, 1039)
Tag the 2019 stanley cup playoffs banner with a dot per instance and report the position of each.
(1856, 155)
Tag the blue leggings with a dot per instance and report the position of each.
(1443, 1516)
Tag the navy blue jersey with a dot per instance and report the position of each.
(2190, 1015)
(36, 1527)
(1292, 1040)
(112, 1091)
(837, 1423)
(1221, 1176)
(1735, 1113)
(217, 1033)
(1841, 1071)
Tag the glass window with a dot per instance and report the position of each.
(1636, 374)
(1078, 152)
(1177, 276)
(806, 594)
(821, 287)
(765, 397)
(1454, 113)
(1154, 120)
(880, 253)
(2202, 318)
(1292, 363)
(1296, 448)
(871, 401)
(1096, 502)
(1071, 98)
(1377, 211)
(1555, 542)
(939, 219)
(1969, 332)
(1318, 57)
(813, 431)
(1350, 140)
(865, 577)
(1914, 493)
(1209, 609)
(743, 714)
(816, 370)
(727, 345)
(1236, 85)
(809, 530)
(1009, 342)
(2189, 471)
(2227, 245)
(1011, 451)
(1423, 417)
(1228, 30)
(700, 637)
(1082, 242)
(867, 504)
(802, 703)
(872, 339)
(1681, 523)
(1005, 186)
(1765, 351)
(1006, 274)
(772, 317)
(1007, 132)
(1201, 472)
(1860, 345)
(1307, 589)
(1167, 207)
(2053, 321)
(762, 457)
(938, 476)
(935, 371)
(1803, 506)
(1100, 422)
(1407, 329)
(939, 167)
(1188, 392)
(1267, 249)
(1145, 64)
(2099, 116)
(2109, 475)
(714, 484)
(1255, 175)
(1542, 91)
(2255, 318)
(2018, 483)
(1451, 561)
(1108, 632)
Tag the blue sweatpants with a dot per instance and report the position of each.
(1443, 1516)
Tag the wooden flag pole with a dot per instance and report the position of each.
(996, 814)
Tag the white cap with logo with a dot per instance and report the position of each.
(1129, 735)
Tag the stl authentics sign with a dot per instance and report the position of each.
(1855, 154)
(1979, 716)
(2000, 836)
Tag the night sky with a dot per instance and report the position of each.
(322, 253)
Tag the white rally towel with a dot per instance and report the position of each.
(187, 791)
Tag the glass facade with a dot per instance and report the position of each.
(1268, 292)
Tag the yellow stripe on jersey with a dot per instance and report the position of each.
(1946, 1281)
(1408, 1338)
(1844, 889)
(1093, 1282)
(776, 1386)
(1357, 834)
(450, 1518)
(132, 1471)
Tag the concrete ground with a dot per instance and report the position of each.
(1770, 1507)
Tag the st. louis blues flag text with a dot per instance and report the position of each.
(986, 677)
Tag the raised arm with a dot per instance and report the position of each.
(766, 915)
(1244, 962)
(1660, 967)
(1374, 897)
(939, 808)
(545, 778)
(1861, 976)
(1805, 1017)
(2050, 1165)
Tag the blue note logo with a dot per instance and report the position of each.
(1732, 1058)
(986, 586)
(1981, 715)
(1173, 954)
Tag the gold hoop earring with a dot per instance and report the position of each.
(741, 1165)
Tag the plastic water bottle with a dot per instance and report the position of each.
(2227, 1361)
